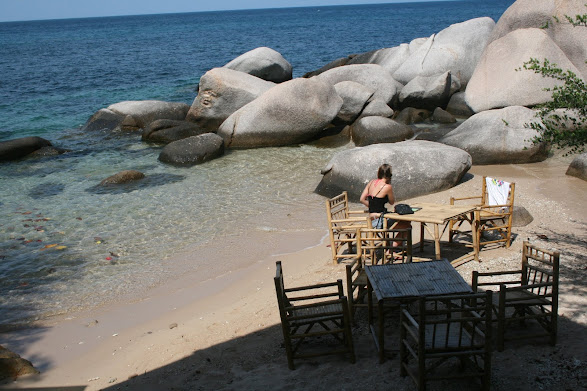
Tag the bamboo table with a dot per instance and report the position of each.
(406, 282)
(437, 215)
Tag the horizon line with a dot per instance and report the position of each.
(223, 10)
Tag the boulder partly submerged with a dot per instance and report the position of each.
(122, 177)
(135, 115)
(20, 147)
(289, 113)
(165, 131)
(193, 150)
(419, 168)
(499, 137)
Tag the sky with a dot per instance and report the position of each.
(20, 10)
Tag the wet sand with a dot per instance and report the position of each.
(219, 328)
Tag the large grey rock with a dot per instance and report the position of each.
(457, 49)
(389, 58)
(458, 106)
(123, 177)
(419, 168)
(377, 108)
(499, 137)
(21, 147)
(135, 115)
(289, 113)
(429, 92)
(354, 97)
(166, 130)
(578, 167)
(373, 130)
(530, 13)
(193, 150)
(496, 83)
(223, 91)
(263, 62)
(369, 75)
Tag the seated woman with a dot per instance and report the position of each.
(376, 194)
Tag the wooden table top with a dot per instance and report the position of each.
(433, 213)
(415, 279)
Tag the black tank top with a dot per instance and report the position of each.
(377, 204)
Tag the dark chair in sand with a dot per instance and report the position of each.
(446, 337)
(527, 294)
(309, 313)
(376, 246)
(342, 226)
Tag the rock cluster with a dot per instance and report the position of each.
(467, 75)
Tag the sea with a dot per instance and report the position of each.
(68, 245)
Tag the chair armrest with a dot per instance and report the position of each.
(364, 211)
(476, 283)
(351, 220)
(452, 199)
(502, 273)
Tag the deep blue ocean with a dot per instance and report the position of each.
(65, 247)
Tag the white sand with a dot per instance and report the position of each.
(224, 333)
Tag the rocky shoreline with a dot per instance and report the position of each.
(469, 70)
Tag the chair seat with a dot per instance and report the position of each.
(361, 279)
(524, 298)
(316, 314)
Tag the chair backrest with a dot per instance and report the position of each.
(377, 245)
(455, 323)
(337, 208)
(498, 193)
(282, 300)
(540, 267)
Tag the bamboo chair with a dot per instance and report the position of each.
(441, 328)
(304, 308)
(376, 246)
(531, 296)
(492, 216)
(342, 225)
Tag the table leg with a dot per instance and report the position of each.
(474, 228)
(381, 333)
(422, 237)
(369, 303)
(436, 241)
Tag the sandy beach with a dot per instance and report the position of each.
(203, 332)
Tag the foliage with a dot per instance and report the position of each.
(562, 128)
(563, 120)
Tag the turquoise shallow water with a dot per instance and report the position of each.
(64, 245)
